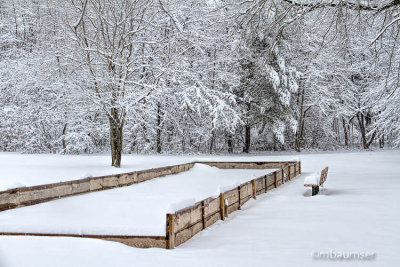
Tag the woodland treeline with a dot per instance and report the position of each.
(215, 76)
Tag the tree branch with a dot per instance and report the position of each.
(82, 15)
(355, 4)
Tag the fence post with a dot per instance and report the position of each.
(239, 197)
(294, 171)
(265, 183)
(222, 205)
(253, 185)
(203, 213)
(299, 167)
(275, 178)
(170, 231)
(283, 176)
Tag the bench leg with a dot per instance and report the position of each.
(315, 190)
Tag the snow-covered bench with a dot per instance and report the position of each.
(314, 182)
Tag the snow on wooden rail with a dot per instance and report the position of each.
(185, 223)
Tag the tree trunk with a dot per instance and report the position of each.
(115, 142)
(346, 135)
(212, 137)
(247, 131)
(247, 140)
(299, 132)
(64, 132)
(337, 128)
(363, 130)
(212, 141)
(159, 144)
(360, 118)
(382, 141)
(229, 141)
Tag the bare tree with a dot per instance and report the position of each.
(118, 54)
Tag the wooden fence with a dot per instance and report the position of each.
(181, 225)
(185, 223)
(31, 195)
(26, 196)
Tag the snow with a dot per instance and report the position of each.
(312, 179)
(273, 76)
(19, 170)
(358, 211)
(135, 210)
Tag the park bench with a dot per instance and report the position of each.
(315, 186)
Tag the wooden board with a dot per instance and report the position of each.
(324, 175)
(231, 196)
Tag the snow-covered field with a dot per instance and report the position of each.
(139, 209)
(357, 212)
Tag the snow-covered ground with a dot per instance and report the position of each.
(139, 209)
(19, 170)
(27, 170)
(357, 212)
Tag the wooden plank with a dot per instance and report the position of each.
(294, 171)
(233, 207)
(222, 206)
(182, 218)
(247, 164)
(265, 183)
(212, 206)
(196, 213)
(246, 189)
(270, 179)
(170, 233)
(260, 183)
(203, 213)
(184, 235)
(231, 196)
(238, 188)
(324, 175)
(212, 219)
(253, 187)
